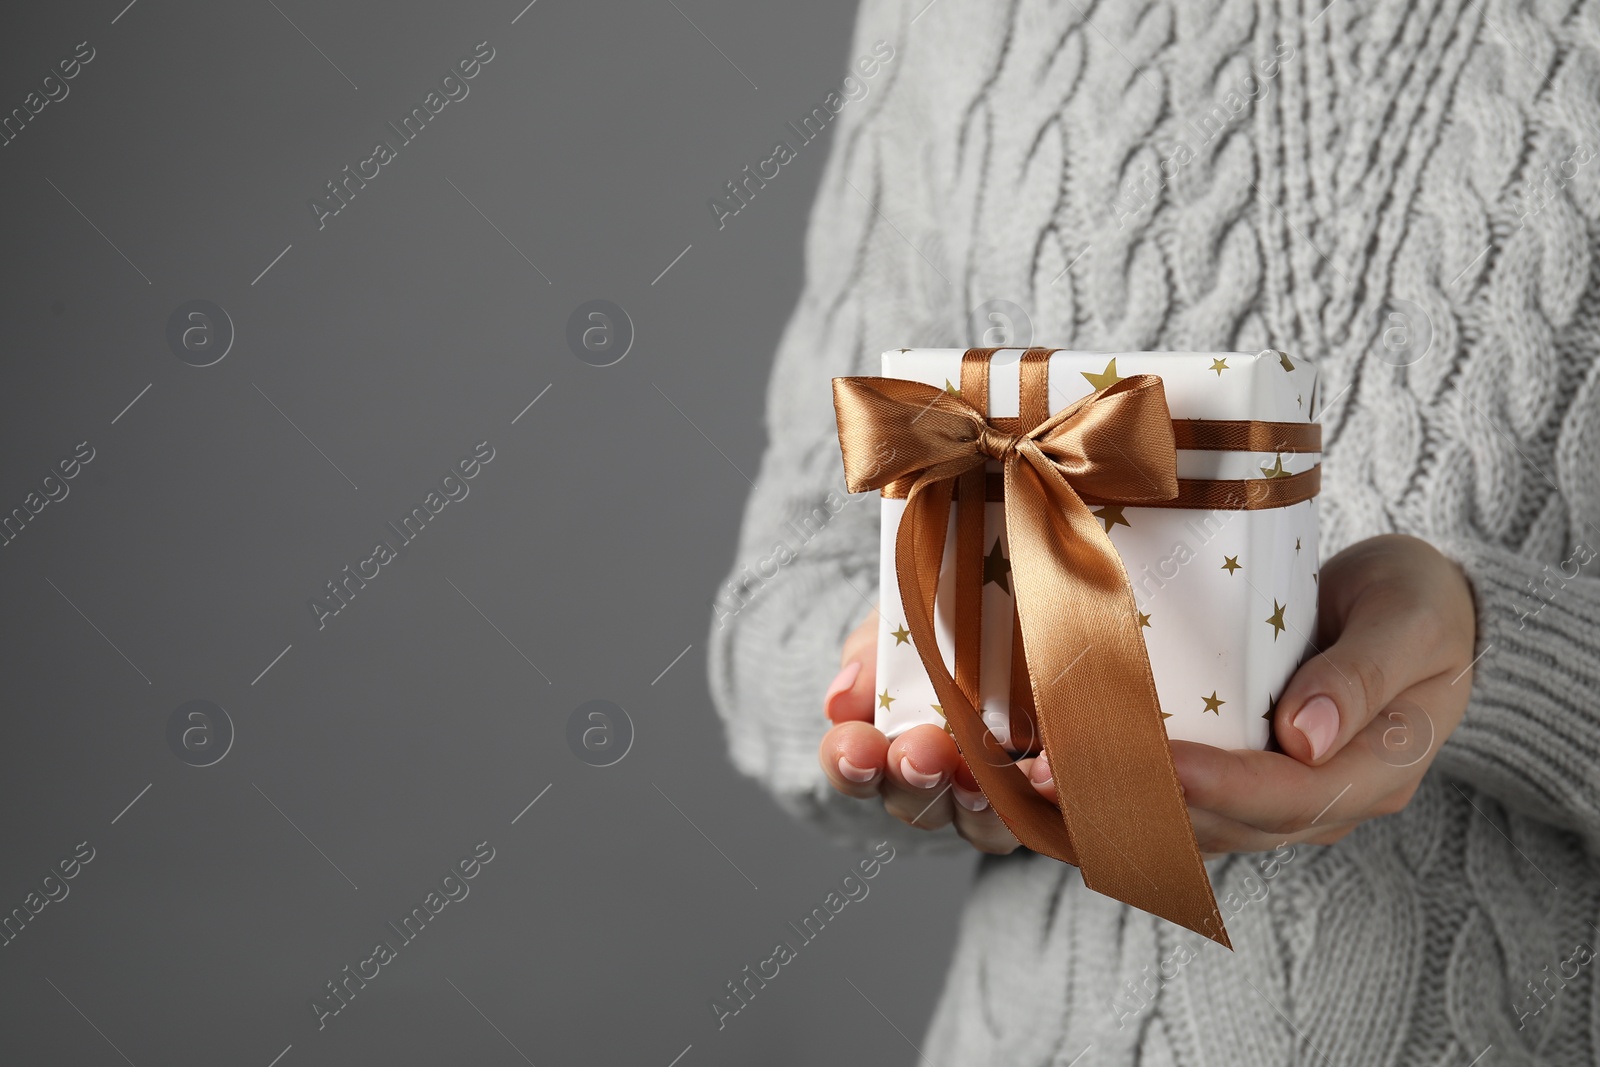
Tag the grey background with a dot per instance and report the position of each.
(377, 751)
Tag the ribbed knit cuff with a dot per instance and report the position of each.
(1531, 733)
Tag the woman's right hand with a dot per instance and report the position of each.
(920, 775)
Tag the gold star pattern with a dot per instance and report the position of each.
(937, 708)
(1314, 578)
(1111, 515)
(884, 700)
(900, 635)
(1297, 402)
(1297, 544)
(1230, 563)
(1213, 704)
(1276, 622)
(1144, 620)
(1283, 360)
(1105, 378)
(996, 568)
(952, 390)
(1276, 470)
(1272, 706)
(1218, 365)
(1165, 715)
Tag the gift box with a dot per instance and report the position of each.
(1226, 597)
(1088, 554)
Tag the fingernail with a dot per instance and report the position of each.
(841, 683)
(916, 778)
(857, 774)
(970, 801)
(1039, 773)
(1319, 722)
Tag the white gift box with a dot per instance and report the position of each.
(1227, 598)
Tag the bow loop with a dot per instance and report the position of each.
(890, 428)
(1116, 444)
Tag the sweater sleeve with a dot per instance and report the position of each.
(1531, 734)
(805, 573)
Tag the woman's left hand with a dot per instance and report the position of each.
(1360, 722)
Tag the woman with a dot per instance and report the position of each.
(1399, 191)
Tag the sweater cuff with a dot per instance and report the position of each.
(1530, 737)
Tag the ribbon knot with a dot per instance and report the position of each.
(996, 443)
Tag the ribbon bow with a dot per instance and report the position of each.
(1121, 816)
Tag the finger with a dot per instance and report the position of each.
(1281, 796)
(1218, 835)
(853, 756)
(1391, 640)
(984, 831)
(976, 820)
(1333, 837)
(1039, 774)
(863, 640)
(916, 788)
(849, 697)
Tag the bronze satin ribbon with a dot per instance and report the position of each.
(1118, 790)
(1246, 494)
(1227, 435)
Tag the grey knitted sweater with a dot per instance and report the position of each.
(1401, 191)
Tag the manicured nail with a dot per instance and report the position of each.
(1319, 722)
(857, 774)
(1039, 773)
(916, 778)
(840, 684)
(970, 801)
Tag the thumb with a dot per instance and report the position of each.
(1382, 650)
(850, 697)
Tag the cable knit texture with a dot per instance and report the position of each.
(1401, 190)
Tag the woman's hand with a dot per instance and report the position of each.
(920, 775)
(1360, 722)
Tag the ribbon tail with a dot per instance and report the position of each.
(1096, 704)
(919, 549)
